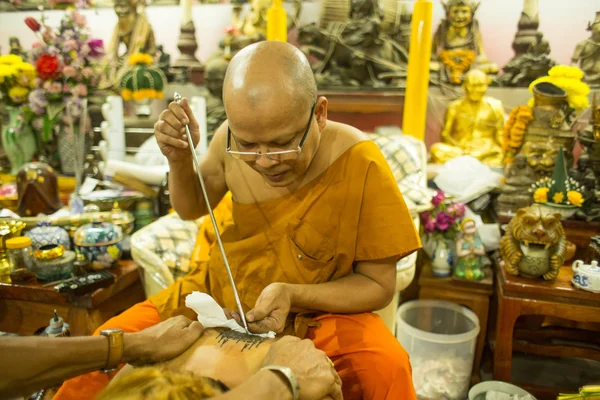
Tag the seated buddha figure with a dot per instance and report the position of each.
(133, 34)
(457, 44)
(473, 125)
(587, 54)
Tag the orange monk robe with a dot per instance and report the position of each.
(352, 212)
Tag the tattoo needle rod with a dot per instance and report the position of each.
(178, 99)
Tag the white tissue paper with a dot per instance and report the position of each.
(211, 315)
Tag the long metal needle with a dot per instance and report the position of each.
(178, 98)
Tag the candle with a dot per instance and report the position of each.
(186, 11)
(417, 84)
(531, 7)
(277, 22)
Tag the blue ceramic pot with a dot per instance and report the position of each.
(45, 234)
(100, 243)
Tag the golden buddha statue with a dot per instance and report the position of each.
(133, 34)
(587, 54)
(254, 23)
(473, 125)
(457, 44)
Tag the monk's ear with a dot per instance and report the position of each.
(321, 112)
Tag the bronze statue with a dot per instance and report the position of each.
(133, 34)
(589, 140)
(457, 44)
(474, 125)
(518, 178)
(163, 61)
(356, 50)
(527, 67)
(213, 81)
(587, 54)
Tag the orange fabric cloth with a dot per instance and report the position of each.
(369, 359)
(135, 319)
(353, 212)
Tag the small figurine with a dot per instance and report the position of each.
(470, 253)
(457, 42)
(534, 244)
(163, 61)
(587, 54)
(474, 125)
(134, 32)
(582, 169)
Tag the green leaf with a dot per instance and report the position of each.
(54, 109)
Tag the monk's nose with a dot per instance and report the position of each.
(265, 162)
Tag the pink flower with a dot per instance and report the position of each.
(82, 90)
(430, 226)
(87, 72)
(69, 45)
(425, 216)
(438, 198)
(457, 210)
(69, 71)
(36, 45)
(55, 87)
(443, 221)
(47, 85)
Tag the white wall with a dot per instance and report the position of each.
(562, 22)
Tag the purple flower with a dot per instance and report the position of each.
(430, 226)
(456, 210)
(96, 47)
(425, 216)
(438, 198)
(443, 221)
(38, 101)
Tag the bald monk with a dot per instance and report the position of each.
(316, 227)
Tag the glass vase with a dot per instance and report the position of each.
(18, 140)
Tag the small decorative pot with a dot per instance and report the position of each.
(566, 211)
(100, 243)
(586, 276)
(52, 262)
(45, 234)
(535, 262)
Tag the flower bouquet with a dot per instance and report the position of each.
(559, 194)
(441, 225)
(16, 80)
(66, 60)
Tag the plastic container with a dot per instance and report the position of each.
(496, 386)
(440, 338)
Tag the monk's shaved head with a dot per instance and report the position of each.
(270, 71)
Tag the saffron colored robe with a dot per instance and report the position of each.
(352, 212)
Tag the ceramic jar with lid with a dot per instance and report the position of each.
(45, 234)
(100, 243)
(587, 276)
(52, 262)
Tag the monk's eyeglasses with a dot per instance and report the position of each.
(279, 155)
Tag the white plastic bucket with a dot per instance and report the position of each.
(440, 338)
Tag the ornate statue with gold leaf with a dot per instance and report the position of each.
(353, 45)
(587, 54)
(473, 125)
(133, 34)
(589, 140)
(457, 45)
(254, 24)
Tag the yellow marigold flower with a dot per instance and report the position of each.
(139, 95)
(575, 73)
(579, 102)
(160, 95)
(126, 94)
(558, 198)
(18, 94)
(575, 198)
(6, 71)
(541, 195)
(10, 59)
(140, 58)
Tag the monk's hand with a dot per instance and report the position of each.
(161, 342)
(317, 379)
(270, 311)
(170, 132)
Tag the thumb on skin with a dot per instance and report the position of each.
(259, 312)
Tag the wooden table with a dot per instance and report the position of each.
(519, 296)
(25, 308)
(474, 295)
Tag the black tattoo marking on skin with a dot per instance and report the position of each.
(249, 341)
